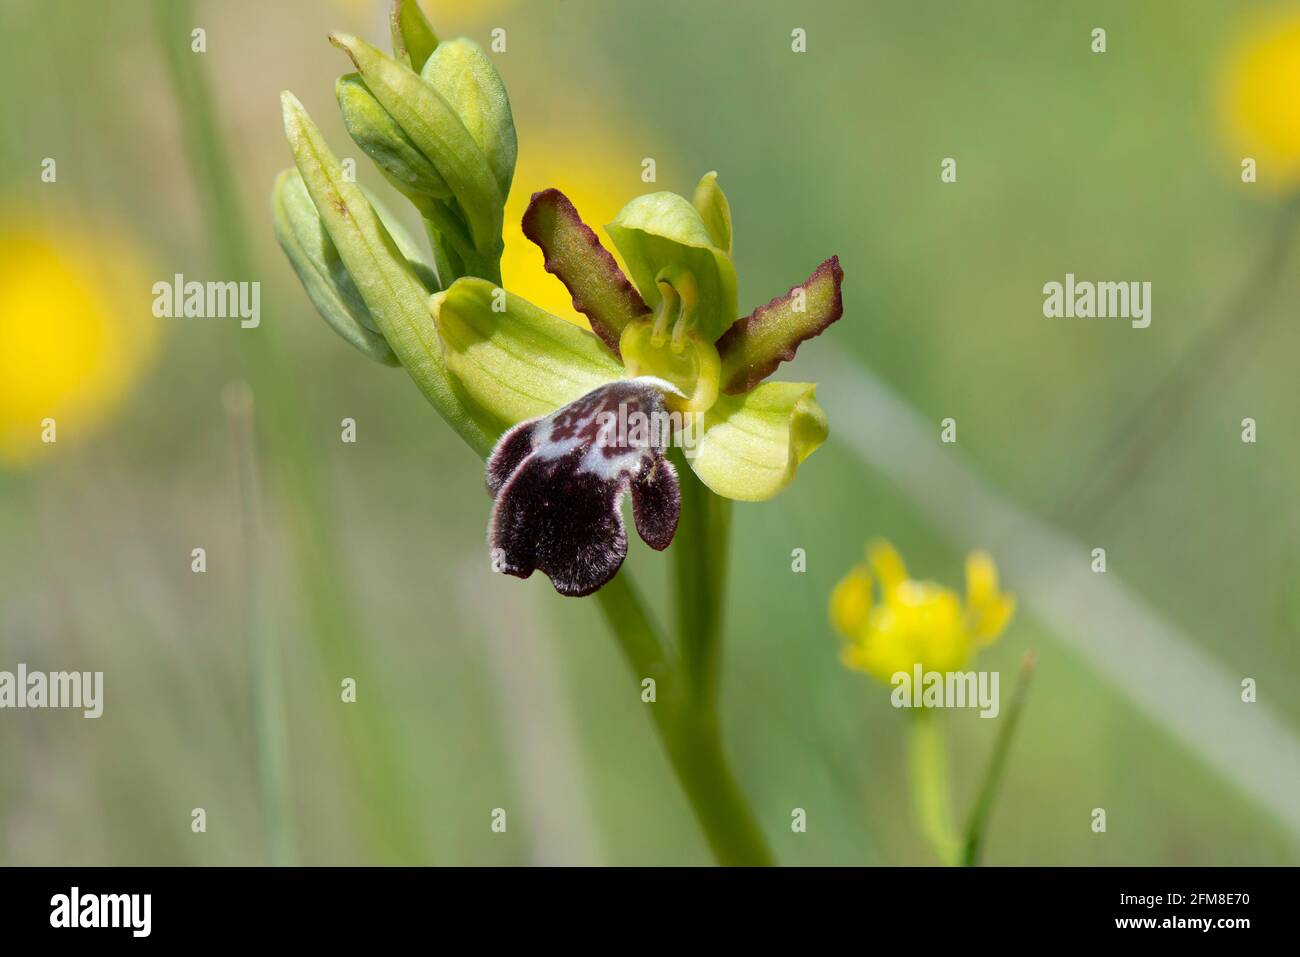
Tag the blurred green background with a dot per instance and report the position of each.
(476, 693)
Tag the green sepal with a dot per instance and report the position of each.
(661, 235)
(512, 361)
(389, 285)
(402, 164)
(468, 79)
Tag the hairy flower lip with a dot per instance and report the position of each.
(558, 484)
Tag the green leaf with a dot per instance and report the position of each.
(757, 344)
(413, 36)
(512, 361)
(387, 282)
(661, 236)
(751, 445)
(573, 253)
(712, 205)
(437, 131)
(467, 79)
(315, 259)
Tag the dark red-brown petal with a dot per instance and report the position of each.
(657, 504)
(559, 484)
(574, 254)
(754, 346)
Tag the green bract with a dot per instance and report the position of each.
(512, 360)
(316, 261)
(389, 285)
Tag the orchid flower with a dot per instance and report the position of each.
(550, 399)
(664, 352)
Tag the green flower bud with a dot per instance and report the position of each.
(377, 133)
(413, 36)
(436, 130)
(467, 79)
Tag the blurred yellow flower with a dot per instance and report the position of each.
(596, 172)
(913, 622)
(75, 331)
(1260, 96)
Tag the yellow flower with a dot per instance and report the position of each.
(75, 331)
(906, 622)
(1259, 96)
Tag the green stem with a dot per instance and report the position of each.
(691, 736)
(997, 765)
(700, 559)
(638, 639)
(701, 554)
(930, 793)
(698, 757)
